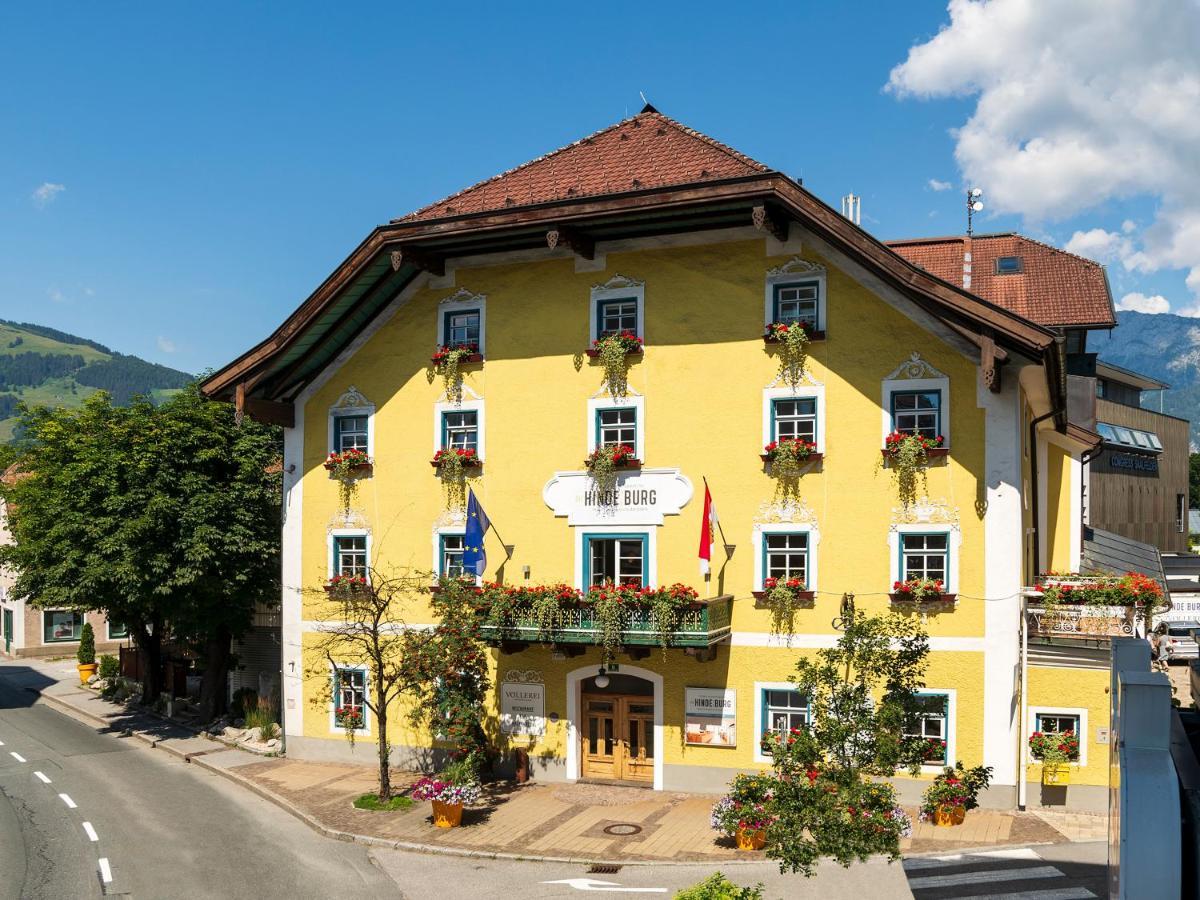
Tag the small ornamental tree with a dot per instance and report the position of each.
(862, 694)
(86, 654)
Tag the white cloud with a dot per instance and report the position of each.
(935, 185)
(1079, 102)
(166, 345)
(1100, 245)
(47, 193)
(56, 295)
(1143, 304)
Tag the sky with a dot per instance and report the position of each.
(176, 178)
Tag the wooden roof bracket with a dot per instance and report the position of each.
(988, 361)
(770, 221)
(581, 244)
(283, 414)
(433, 263)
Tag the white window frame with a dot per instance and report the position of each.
(951, 695)
(1035, 711)
(814, 542)
(638, 404)
(42, 638)
(651, 561)
(813, 392)
(953, 548)
(108, 635)
(459, 301)
(759, 688)
(904, 385)
(794, 271)
(363, 409)
(438, 534)
(463, 406)
(334, 728)
(617, 288)
(332, 546)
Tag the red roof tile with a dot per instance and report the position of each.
(1054, 287)
(648, 150)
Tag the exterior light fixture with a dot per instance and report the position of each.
(602, 679)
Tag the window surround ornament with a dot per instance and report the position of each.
(463, 299)
(795, 269)
(786, 511)
(352, 403)
(916, 374)
(616, 288)
(925, 512)
(914, 368)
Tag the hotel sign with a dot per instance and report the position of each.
(637, 497)
(1136, 463)
(522, 708)
(710, 717)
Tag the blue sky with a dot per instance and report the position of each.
(175, 180)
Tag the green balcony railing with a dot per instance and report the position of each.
(703, 624)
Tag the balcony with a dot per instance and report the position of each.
(1085, 621)
(703, 624)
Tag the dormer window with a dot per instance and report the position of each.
(1009, 265)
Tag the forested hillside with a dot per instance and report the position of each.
(45, 366)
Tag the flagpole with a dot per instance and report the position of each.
(724, 540)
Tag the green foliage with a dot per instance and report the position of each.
(718, 887)
(793, 351)
(110, 667)
(244, 699)
(784, 599)
(613, 352)
(30, 368)
(262, 716)
(372, 802)
(86, 654)
(125, 377)
(55, 335)
(448, 359)
(746, 806)
(955, 786)
(907, 457)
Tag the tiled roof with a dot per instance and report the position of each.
(648, 150)
(1053, 288)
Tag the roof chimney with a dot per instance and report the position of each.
(852, 208)
(966, 275)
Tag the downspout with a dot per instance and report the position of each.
(1033, 485)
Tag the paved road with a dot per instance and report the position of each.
(1058, 872)
(166, 829)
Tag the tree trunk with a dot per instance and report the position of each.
(214, 682)
(385, 774)
(149, 643)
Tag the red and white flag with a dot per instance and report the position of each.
(708, 532)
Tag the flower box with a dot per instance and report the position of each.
(625, 464)
(904, 597)
(811, 458)
(760, 598)
(593, 353)
(621, 454)
(630, 341)
(1056, 774)
(930, 453)
(470, 459)
(442, 353)
(769, 338)
(348, 463)
(470, 358)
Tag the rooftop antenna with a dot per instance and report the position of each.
(974, 205)
(648, 107)
(852, 208)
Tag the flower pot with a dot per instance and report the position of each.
(1056, 774)
(86, 671)
(944, 817)
(959, 814)
(750, 840)
(447, 815)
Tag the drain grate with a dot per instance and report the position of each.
(623, 829)
(603, 869)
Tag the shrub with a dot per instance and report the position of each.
(87, 645)
(718, 887)
(956, 786)
(262, 717)
(110, 666)
(244, 699)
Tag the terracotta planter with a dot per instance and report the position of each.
(945, 817)
(1056, 774)
(86, 671)
(750, 840)
(959, 814)
(447, 815)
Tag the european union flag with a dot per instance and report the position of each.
(474, 556)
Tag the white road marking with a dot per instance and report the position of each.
(1075, 893)
(961, 859)
(67, 800)
(105, 870)
(933, 881)
(17, 756)
(591, 884)
(1, 743)
(43, 778)
(91, 832)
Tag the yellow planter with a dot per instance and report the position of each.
(750, 840)
(86, 671)
(949, 816)
(447, 815)
(1056, 774)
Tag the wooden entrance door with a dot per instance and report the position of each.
(618, 738)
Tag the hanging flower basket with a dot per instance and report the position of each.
(346, 585)
(620, 456)
(790, 451)
(777, 332)
(626, 340)
(468, 458)
(463, 353)
(920, 590)
(893, 444)
(348, 463)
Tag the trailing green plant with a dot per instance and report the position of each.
(346, 467)
(1130, 589)
(717, 887)
(784, 597)
(906, 455)
(787, 456)
(446, 360)
(609, 616)
(1054, 747)
(452, 465)
(603, 462)
(955, 786)
(613, 351)
(612, 606)
(918, 590)
(793, 342)
(548, 608)
(110, 666)
(746, 806)
(86, 654)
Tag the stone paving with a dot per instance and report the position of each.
(565, 820)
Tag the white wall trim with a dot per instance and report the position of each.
(814, 541)
(443, 406)
(651, 534)
(1083, 735)
(351, 403)
(463, 299)
(898, 385)
(437, 545)
(953, 550)
(1078, 476)
(795, 271)
(771, 394)
(616, 288)
(636, 401)
(951, 727)
(574, 704)
(292, 577)
(824, 641)
(345, 532)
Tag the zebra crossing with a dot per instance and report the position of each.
(1009, 874)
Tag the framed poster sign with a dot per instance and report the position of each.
(710, 717)
(522, 708)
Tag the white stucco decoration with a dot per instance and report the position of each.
(925, 512)
(639, 497)
(914, 367)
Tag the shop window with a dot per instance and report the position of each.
(461, 326)
(793, 419)
(350, 555)
(798, 303)
(349, 694)
(350, 433)
(931, 724)
(460, 430)
(917, 412)
(781, 710)
(616, 559)
(60, 625)
(617, 426)
(785, 555)
(614, 316)
(925, 556)
(450, 555)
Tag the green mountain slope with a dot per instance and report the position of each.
(46, 367)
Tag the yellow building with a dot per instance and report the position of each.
(650, 227)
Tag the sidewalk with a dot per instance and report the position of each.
(577, 822)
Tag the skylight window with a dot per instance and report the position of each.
(1009, 265)
(1131, 438)
(1106, 432)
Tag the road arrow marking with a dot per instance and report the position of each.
(17, 756)
(105, 870)
(591, 884)
(42, 777)
(91, 832)
(67, 800)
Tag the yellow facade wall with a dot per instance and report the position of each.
(1058, 509)
(1074, 690)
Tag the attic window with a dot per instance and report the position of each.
(1009, 265)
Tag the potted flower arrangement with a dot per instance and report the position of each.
(86, 654)
(783, 597)
(348, 463)
(345, 585)
(920, 590)
(793, 342)
(906, 455)
(448, 791)
(786, 456)
(953, 793)
(612, 350)
(456, 457)
(446, 360)
(348, 717)
(1056, 752)
(620, 456)
(744, 813)
(933, 750)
